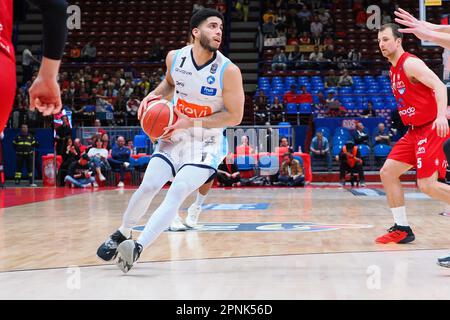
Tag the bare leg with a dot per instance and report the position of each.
(390, 176)
(435, 189)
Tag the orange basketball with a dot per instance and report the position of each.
(158, 115)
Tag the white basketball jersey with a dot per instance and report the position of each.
(198, 89)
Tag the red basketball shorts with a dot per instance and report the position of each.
(7, 87)
(422, 148)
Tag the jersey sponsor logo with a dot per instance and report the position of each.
(207, 91)
(421, 142)
(421, 150)
(407, 112)
(214, 67)
(180, 83)
(193, 110)
(188, 73)
(271, 227)
(211, 80)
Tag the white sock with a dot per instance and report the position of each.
(200, 198)
(125, 231)
(157, 174)
(187, 180)
(400, 216)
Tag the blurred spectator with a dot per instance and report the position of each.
(320, 148)
(245, 9)
(28, 62)
(295, 57)
(75, 53)
(244, 148)
(316, 56)
(105, 142)
(305, 38)
(381, 135)
(227, 173)
(350, 161)
(120, 159)
(354, 57)
(334, 107)
(197, 6)
(341, 58)
(269, 15)
(71, 155)
(328, 41)
(345, 80)
(291, 96)
(361, 18)
(369, 112)
(328, 53)
(24, 144)
(305, 96)
(398, 128)
(63, 132)
(291, 172)
(260, 106)
(316, 30)
(79, 174)
(385, 18)
(284, 146)
(157, 51)
(276, 110)
(89, 52)
(279, 60)
(268, 28)
(98, 125)
(303, 17)
(331, 80)
(221, 6)
(361, 136)
(130, 146)
(77, 143)
(98, 159)
(132, 108)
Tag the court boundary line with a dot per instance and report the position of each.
(221, 258)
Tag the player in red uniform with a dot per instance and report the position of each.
(439, 34)
(44, 93)
(422, 103)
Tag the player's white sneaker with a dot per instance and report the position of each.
(192, 216)
(177, 225)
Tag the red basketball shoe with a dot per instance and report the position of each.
(397, 234)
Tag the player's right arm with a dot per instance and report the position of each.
(45, 93)
(164, 89)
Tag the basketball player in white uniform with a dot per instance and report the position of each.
(208, 94)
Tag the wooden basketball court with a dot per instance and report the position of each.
(255, 243)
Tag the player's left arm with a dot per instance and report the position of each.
(233, 99)
(417, 70)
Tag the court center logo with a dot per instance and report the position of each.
(271, 227)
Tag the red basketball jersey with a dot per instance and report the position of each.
(6, 24)
(416, 102)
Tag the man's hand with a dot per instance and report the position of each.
(421, 29)
(45, 95)
(145, 102)
(441, 125)
(183, 122)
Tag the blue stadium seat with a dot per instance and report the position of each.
(140, 141)
(382, 150)
(291, 108)
(305, 108)
(337, 149)
(364, 149)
